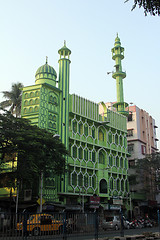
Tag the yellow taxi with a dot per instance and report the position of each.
(38, 224)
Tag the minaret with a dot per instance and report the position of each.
(64, 72)
(119, 75)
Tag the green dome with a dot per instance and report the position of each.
(46, 73)
(46, 69)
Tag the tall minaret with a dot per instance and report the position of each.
(119, 75)
(64, 72)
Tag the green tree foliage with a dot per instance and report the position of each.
(147, 172)
(33, 149)
(150, 6)
(14, 99)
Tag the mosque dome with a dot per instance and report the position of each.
(45, 73)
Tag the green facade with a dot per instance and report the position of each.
(97, 163)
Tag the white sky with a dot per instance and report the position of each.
(33, 29)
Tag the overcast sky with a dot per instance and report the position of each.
(33, 29)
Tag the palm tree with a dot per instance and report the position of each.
(14, 99)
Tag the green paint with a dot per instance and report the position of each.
(98, 152)
(119, 75)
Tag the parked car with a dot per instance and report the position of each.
(112, 222)
(38, 224)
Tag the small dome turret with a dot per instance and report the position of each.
(46, 74)
(64, 51)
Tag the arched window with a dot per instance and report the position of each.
(101, 158)
(116, 139)
(111, 183)
(101, 135)
(118, 184)
(121, 162)
(86, 154)
(93, 181)
(93, 156)
(55, 100)
(103, 186)
(117, 161)
(80, 179)
(74, 152)
(122, 185)
(74, 179)
(54, 118)
(110, 160)
(86, 130)
(86, 179)
(74, 127)
(121, 140)
(80, 153)
(110, 137)
(93, 132)
(80, 128)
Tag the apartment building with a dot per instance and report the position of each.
(141, 134)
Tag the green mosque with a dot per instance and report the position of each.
(97, 164)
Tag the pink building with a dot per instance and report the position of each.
(141, 133)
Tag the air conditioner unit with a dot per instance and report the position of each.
(27, 194)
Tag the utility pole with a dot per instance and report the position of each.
(41, 191)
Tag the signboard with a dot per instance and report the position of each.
(118, 201)
(94, 202)
(114, 207)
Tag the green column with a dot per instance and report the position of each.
(119, 75)
(64, 73)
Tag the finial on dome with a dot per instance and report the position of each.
(46, 60)
(65, 43)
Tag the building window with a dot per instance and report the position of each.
(130, 133)
(80, 179)
(143, 149)
(121, 162)
(80, 129)
(86, 130)
(74, 127)
(80, 153)
(74, 152)
(93, 133)
(101, 158)
(130, 117)
(130, 148)
(110, 160)
(86, 154)
(117, 161)
(101, 135)
(103, 186)
(74, 179)
(110, 137)
(93, 156)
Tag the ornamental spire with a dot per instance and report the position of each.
(46, 60)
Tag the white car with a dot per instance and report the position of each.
(112, 222)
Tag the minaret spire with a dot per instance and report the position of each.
(119, 75)
(46, 60)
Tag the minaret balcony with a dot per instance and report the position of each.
(118, 74)
(118, 55)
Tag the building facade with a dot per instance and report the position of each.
(141, 134)
(95, 136)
